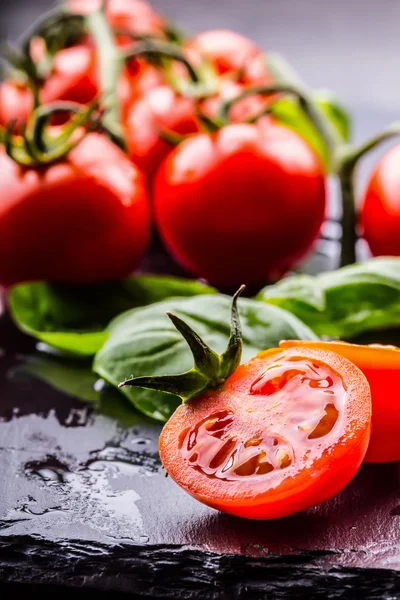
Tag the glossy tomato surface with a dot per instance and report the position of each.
(84, 219)
(380, 212)
(227, 51)
(242, 205)
(134, 16)
(73, 78)
(286, 431)
(157, 112)
(381, 366)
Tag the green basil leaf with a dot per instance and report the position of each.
(345, 303)
(143, 341)
(73, 319)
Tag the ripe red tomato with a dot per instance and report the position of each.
(159, 110)
(242, 205)
(73, 78)
(242, 110)
(135, 16)
(84, 219)
(287, 430)
(380, 212)
(227, 51)
(381, 366)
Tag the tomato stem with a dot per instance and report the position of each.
(32, 146)
(210, 369)
(150, 48)
(110, 66)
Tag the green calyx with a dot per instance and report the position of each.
(32, 146)
(209, 370)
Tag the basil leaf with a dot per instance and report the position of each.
(143, 341)
(73, 319)
(344, 303)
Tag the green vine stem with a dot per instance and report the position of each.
(112, 61)
(347, 160)
(33, 147)
(210, 369)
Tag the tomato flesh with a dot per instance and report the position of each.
(381, 366)
(286, 431)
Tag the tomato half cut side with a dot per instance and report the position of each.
(287, 430)
(381, 366)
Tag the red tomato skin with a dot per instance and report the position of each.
(84, 219)
(327, 474)
(160, 109)
(227, 50)
(380, 212)
(73, 78)
(135, 16)
(15, 102)
(240, 206)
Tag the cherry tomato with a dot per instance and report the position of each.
(227, 51)
(84, 219)
(242, 205)
(73, 78)
(381, 366)
(380, 213)
(242, 110)
(159, 110)
(287, 430)
(134, 16)
(16, 102)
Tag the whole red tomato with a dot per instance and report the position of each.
(380, 212)
(134, 16)
(160, 110)
(242, 205)
(231, 54)
(84, 219)
(73, 78)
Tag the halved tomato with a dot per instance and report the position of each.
(381, 366)
(287, 430)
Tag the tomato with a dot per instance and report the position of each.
(381, 366)
(380, 212)
(241, 205)
(227, 51)
(242, 110)
(16, 102)
(84, 219)
(160, 109)
(73, 78)
(287, 430)
(134, 16)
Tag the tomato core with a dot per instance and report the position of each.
(302, 400)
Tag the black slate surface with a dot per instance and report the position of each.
(83, 499)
